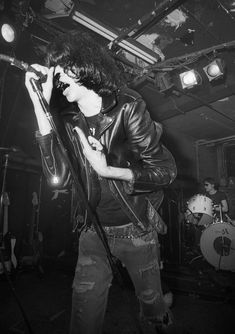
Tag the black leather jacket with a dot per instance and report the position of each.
(131, 140)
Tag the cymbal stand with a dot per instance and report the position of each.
(221, 214)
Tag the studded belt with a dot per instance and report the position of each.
(127, 231)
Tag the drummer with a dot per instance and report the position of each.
(219, 199)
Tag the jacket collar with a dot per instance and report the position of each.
(108, 103)
(76, 118)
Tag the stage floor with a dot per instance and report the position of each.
(46, 302)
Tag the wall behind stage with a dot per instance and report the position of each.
(182, 147)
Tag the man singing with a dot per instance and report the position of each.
(114, 147)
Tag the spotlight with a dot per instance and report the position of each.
(8, 31)
(190, 79)
(214, 70)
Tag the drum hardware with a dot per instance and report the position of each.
(229, 220)
(220, 212)
(191, 214)
(195, 258)
(191, 243)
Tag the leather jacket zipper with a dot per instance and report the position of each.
(126, 203)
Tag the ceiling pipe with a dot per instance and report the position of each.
(178, 62)
(213, 141)
(148, 20)
(128, 36)
(130, 45)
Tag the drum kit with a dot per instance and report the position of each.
(217, 237)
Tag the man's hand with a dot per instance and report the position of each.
(42, 120)
(93, 151)
(46, 86)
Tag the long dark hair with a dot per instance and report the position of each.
(92, 64)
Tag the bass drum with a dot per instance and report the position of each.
(199, 210)
(217, 245)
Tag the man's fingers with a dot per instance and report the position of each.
(95, 143)
(88, 144)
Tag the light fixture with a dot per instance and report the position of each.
(214, 70)
(8, 31)
(189, 79)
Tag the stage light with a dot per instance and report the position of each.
(190, 79)
(214, 70)
(8, 31)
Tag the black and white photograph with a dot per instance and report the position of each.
(117, 166)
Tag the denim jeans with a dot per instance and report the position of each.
(93, 277)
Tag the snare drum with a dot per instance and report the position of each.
(217, 244)
(200, 204)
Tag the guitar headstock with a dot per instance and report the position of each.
(35, 199)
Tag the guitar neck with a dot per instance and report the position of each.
(5, 220)
(4, 204)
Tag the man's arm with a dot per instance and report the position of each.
(156, 164)
(46, 89)
(93, 151)
(53, 161)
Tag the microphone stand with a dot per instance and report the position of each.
(2, 246)
(3, 183)
(97, 226)
(3, 189)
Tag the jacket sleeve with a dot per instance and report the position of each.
(155, 166)
(54, 163)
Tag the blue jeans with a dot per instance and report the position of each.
(93, 277)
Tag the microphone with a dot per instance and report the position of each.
(23, 66)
